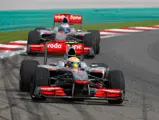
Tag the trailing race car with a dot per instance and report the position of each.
(72, 79)
(57, 45)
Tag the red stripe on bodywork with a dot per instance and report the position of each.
(81, 81)
(102, 92)
(52, 90)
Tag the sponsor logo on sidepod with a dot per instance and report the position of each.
(54, 45)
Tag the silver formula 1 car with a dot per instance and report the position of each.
(55, 80)
(90, 38)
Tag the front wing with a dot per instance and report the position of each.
(58, 92)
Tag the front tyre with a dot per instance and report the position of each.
(116, 81)
(27, 70)
(41, 78)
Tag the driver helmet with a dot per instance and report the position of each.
(61, 29)
(73, 62)
(66, 27)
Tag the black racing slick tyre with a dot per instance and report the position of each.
(96, 39)
(88, 42)
(27, 70)
(41, 78)
(33, 38)
(116, 81)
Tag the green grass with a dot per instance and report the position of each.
(22, 35)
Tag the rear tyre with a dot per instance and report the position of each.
(96, 40)
(41, 78)
(27, 70)
(33, 38)
(116, 81)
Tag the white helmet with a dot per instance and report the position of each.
(66, 27)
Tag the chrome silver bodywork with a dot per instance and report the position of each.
(61, 64)
(73, 31)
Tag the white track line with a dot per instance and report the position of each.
(19, 41)
(144, 28)
(107, 33)
(125, 30)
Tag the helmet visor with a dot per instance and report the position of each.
(74, 65)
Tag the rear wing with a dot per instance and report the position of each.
(72, 18)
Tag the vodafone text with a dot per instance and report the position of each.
(59, 16)
(56, 45)
(76, 46)
(72, 17)
(59, 46)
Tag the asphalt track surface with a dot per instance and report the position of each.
(51, 4)
(136, 55)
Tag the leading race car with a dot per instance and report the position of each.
(90, 39)
(72, 79)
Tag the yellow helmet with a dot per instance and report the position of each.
(73, 59)
(74, 65)
(73, 62)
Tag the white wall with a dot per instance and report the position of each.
(49, 4)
